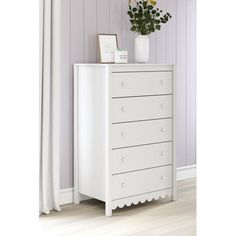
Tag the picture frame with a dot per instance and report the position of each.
(107, 45)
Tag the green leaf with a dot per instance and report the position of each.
(146, 14)
(154, 12)
(144, 4)
(130, 14)
(140, 14)
(158, 27)
(150, 7)
(134, 9)
(147, 20)
(157, 22)
(133, 28)
(158, 14)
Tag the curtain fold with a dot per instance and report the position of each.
(49, 107)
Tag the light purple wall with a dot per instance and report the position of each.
(174, 44)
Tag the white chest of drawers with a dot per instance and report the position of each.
(124, 129)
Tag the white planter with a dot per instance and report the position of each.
(141, 49)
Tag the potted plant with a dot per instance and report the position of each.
(145, 18)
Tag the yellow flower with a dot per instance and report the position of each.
(153, 2)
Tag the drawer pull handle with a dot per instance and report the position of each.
(162, 177)
(162, 153)
(123, 84)
(122, 159)
(163, 130)
(122, 185)
(163, 105)
(163, 82)
(123, 109)
(123, 134)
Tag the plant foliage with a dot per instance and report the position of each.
(145, 17)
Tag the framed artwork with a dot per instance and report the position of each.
(107, 45)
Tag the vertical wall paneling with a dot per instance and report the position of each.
(115, 19)
(191, 82)
(103, 16)
(81, 21)
(77, 31)
(90, 30)
(161, 37)
(66, 180)
(171, 7)
(181, 83)
(152, 49)
(127, 36)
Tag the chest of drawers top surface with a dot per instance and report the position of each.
(124, 132)
(128, 67)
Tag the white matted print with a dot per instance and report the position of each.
(107, 46)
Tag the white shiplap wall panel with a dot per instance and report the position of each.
(66, 164)
(127, 36)
(161, 38)
(77, 30)
(175, 43)
(190, 82)
(103, 16)
(116, 19)
(171, 44)
(90, 31)
(181, 84)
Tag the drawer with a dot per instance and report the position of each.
(141, 108)
(143, 132)
(142, 157)
(139, 182)
(141, 83)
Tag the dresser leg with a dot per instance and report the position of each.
(108, 210)
(173, 197)
(76, 198)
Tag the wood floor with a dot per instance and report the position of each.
(157, 218)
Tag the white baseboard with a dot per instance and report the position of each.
(186, 172)
(67, 196)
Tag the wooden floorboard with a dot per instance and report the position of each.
(156, 218)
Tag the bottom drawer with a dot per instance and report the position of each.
(144, 181)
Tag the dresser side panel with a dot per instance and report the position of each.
(92, 130)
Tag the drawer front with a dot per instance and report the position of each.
(141, 83)
(141, 108)
(139, 182)
(143, 132)
(142, 157)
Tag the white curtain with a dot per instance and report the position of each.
(50, 106)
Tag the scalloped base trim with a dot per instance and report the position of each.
(141, 198)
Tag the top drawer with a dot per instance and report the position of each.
(141, 83)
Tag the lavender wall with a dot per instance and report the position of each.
(81, 20)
